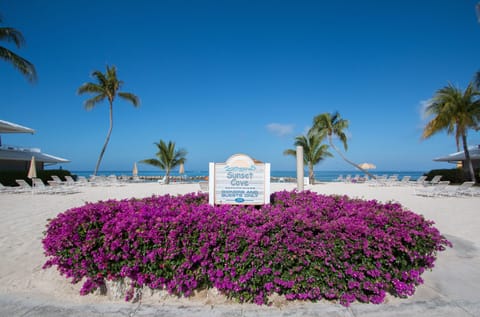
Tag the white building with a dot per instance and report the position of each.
(16, 158)
(459, 157)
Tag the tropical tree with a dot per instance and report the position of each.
(313, 151)
(14, 36)
(331, 125)
(455, 111)
(106, 87)
(167, 157)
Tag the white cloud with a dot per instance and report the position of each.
(280, 129)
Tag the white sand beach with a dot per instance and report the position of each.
(452, 288)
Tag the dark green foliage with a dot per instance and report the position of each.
(8, 178)
(454, 175)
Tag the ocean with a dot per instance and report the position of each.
(321, 176)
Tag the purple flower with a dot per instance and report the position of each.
(303, 245)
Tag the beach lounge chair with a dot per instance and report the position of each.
(404, 181)
(56, 188)
(69, 181)
(23, 186)
(378, 180)
(203, 187)
(39, 187)
(434, 190)
(162, 180)
(458, 191)
(83, 181)
(7, 189)
(58, 180)
(435, 180)
(420, 181)
(391, 180)
(114, 181)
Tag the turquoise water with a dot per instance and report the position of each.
(322, 176)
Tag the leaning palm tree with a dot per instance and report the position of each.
(455, 111)
(313, 151)
(107, 86)
(330, 125)
(167, 158)
(21, 64)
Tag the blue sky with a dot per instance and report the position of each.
(237, 76)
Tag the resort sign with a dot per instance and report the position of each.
(239, 181)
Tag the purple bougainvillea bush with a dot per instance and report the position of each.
(303, 245)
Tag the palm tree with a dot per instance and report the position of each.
(22, 65)
(333, 125)
(313, 151)
(168, 157)
(455, 111)
(107, 86)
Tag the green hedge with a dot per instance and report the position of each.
(8, 178)
(454, 175)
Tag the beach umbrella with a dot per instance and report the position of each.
(135, 170)
(32, 171)
(181, 170)
(367, 166)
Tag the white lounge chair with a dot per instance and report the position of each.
(378, 181)
(7, 189)
(58, 180)
(339, 178)
(69, 181)
(458, 191)
(83, 181)
(434, 190)
(404, 181)
(23, 186)
(435, 180)
(203, 186)
(39, 187)
(391, 180)
(162, 180)
(56, 188)
(420, 181)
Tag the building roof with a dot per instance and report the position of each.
(9, 127)
(25, 154)
(474, 152)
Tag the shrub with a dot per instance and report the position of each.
(8, 178)
(303, 246)
(454, 175)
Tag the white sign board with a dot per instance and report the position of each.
(239, 181)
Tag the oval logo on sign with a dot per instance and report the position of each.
(239, 200)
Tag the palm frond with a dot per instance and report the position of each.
(12, 35)
(100, 77)
(92, 102)
(453, 110)
(130, 97)
(290, 152)
(90, 88)
(22, 65)
(153, 162)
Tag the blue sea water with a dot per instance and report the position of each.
(322, 176)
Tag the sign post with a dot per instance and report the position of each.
(239, 181)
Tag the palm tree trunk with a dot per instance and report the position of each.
(311, 175)
(468, 161)
(106, 141)
(167, 176)
(348, 161)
